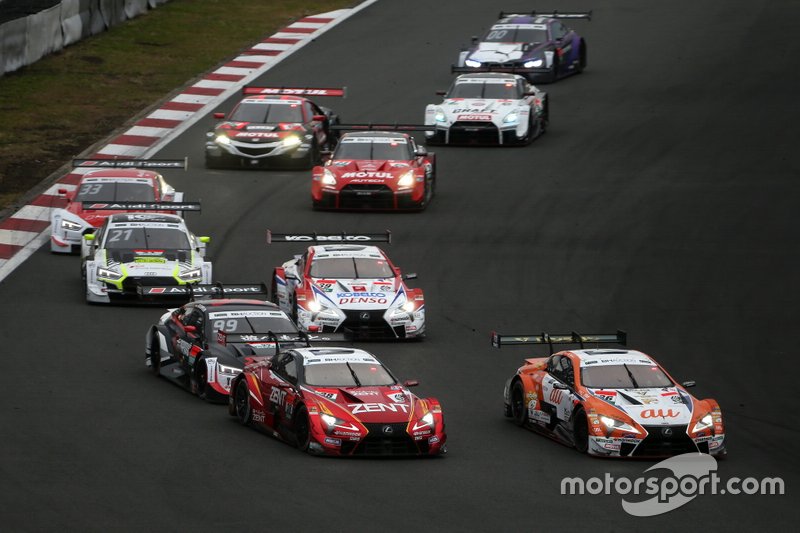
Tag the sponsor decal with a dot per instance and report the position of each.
(362, 174)
(363, 393)
(659, 413)
(258, 415)
(333, 442)
(556, 395)
(475, 117)
(378, 408)
(332, 238)
(277, 396)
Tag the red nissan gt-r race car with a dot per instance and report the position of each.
(609, 402)
(337, 401)
(273, 126)
(376, 167)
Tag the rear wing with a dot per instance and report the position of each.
(620, 337)
(131, 163)
(296, 91)
(141, 206)
(328, 238)
(551, 14)
(382, 127)
(194, 291)
(271, 337)
(455, 69)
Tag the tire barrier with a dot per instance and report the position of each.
(30, 30)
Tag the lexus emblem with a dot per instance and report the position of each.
(667, 432)
(364, 316)
(388, 430)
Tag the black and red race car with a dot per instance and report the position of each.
(273, 126)
(375, 168)
(205, 343)
(336, 401)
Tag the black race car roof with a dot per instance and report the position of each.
(145, 217)
(235, 304)
(379, 134)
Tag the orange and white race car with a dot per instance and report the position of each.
(609, 402)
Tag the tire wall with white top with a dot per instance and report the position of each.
(40, 29)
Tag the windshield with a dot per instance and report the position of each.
(490, 91)
(239, 322)
(147, 238)
(348, 375)
(516, 35)
(267, 113)
(373, 149)
(624, 377)
(351, 268)
(116, 192)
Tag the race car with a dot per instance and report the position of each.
(344, 284)
(609, 402)
(537, 45)
(273, 126)
(120, 180)
(337, 401)
(375, 170)
(135, 250)
(205, 343)
(488, 108)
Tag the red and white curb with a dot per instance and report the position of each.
(28, 229)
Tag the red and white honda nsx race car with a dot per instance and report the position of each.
(273, 126)
(345, 285)
(375, 169)
(609, 402)
(117, 184)
(337, 401)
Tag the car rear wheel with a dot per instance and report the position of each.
(200, 379)
(155, 355)
(302, 429)
(241, 403)
(581, 58)
(580, 431)
(519, 411)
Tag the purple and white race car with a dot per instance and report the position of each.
(537, 45)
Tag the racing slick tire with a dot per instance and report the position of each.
(302, 429)
(580, 430)
(552, 76)
(241, 403)
(519, 412)
(581, 58)
(155, 355)
(199, 379)
(311, 160)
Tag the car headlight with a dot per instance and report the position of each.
(472, 63)
(424, 422)
(106, 273)
(511, 117)
(440, 116)
(228, 370)
(533, 63)
(328, 178)
(331, 422)
(704, 423)
(613, 423)
(223, 139)
(408, 307)
(406, 181)
(290, 141)
(314, 306)
(191, 275)
(68, 224)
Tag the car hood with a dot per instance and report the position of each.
(387, 405)
(478, 109)
(498, 52)
(149, 259)
(360, 294)
(252, 132)
(667, 406)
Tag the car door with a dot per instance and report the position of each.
(188, 338)
(281, 393)
(562, 39)
(558, 387)
(320, 127)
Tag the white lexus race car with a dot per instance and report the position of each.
(490, 108)
(131, 252)
(347, 287)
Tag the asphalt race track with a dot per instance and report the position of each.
(662, 201)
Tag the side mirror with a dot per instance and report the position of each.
(421, 151)
(190, 329)
(219, 115)
(560, 386)
(410, 383)
(526, 47)
(89, 236)
(410, 275)
(441, 93)
(689, 384)
(319, 118)
(204, 239)
(474, 39)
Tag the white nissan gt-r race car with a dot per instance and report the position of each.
(488, 108)
(134, 256)
(345, 285)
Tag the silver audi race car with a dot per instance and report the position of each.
(488, 108)
(133, 251)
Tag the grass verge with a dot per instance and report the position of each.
(56, 108)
